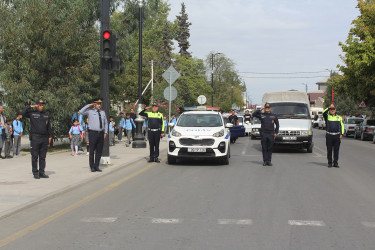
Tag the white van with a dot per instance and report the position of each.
(293, 111)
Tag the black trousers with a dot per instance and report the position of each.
(154, 141)
(39, 147)
(333, 144)
(267, 141)
(133, 132)
(96, 140)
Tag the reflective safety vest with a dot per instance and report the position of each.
(155, 120)
(334, 124)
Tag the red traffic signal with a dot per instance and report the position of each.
(106, 34)
(106, 45)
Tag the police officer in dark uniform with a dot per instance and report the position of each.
(40, 136)
(98, 131)
(155, 131)
(335, 130)
(268, 132)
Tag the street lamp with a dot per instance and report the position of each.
(212, 76)
(305, 86)
(139, 141)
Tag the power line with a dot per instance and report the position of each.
(283, 77)
(282, 73)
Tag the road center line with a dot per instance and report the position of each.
(368, 224)
(165, 221)
(99, 219)
(306, 223)
(68, 209)
(245, 148)
(234, 222)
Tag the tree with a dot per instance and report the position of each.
(49, 49)
(358, 80)
(183, 32)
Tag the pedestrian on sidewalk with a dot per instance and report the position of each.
(86, 136)
(3, 120)
(111, 131)
(1, 139)
(75, 135)
(98, 131)
(40, 136)
(17, 132)
(133, 115)
(165, 125)
(121, 126)
(155, 130)
(129, 124)
(269, 130)
(334, 132)
(8, 139)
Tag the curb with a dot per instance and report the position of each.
(68, 188)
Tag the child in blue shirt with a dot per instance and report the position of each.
(17, 133)
(111, 131)
(75, 135)
(86, 135)
(121, 127)
(129, 123)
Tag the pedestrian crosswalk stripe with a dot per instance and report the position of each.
(306, 223)
(165, 221)
(234, 222)
(99, 219)
(368, 224)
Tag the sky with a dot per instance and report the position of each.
(271, 36)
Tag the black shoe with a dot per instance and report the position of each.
(43, 176)
(36, 176)
(151, 160)
(269, 163)
(336, 166)
(264, 163)
(98, 170)
(93, 170)
(156, 160)
(330, 165)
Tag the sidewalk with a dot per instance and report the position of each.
(19, 189)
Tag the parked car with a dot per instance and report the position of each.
(322, 124)
(255, 128)
(316, 120)
(365, 130)
(349, 125)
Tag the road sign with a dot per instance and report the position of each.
(362, 104)
(171, 75)
(173, 93)
(202, 99)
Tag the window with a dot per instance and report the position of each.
(200, 120)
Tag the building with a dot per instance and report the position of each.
(316, 98)
(322, 85)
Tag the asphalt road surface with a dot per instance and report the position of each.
(298, 203)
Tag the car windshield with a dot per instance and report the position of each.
(200, 120)
(371, 122)
(256, 121)
(290, 110)
(240, 119)
(354, 121)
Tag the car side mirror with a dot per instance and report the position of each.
(229, 125)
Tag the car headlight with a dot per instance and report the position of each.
(175, 133)
(305, 132)
(219, 134)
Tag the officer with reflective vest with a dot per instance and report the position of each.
(268, 132)
(335, 130)
(155, 130)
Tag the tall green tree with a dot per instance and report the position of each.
(183, 34)
(50, 49)
(359, 59)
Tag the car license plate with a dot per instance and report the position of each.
(290, 138)
(196, 150)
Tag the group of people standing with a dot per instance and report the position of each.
(10, 135)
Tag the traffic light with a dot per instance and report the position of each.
(107, 45)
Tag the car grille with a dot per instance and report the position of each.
(196, 142)
(289, 132)
(184, 153)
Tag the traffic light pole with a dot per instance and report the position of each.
(104, 76)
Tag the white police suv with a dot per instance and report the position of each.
(199, 134)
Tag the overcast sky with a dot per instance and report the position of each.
(271, 36)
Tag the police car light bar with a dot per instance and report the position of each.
(202, 108)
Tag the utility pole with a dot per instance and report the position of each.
(104, 75)
(232, 91)
(152, 81)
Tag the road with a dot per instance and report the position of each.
(298, 203)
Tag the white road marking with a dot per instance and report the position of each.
(306, 223)
(165, 221)
(368, 224)
(245, 148)
(234, 222)
(99, 219)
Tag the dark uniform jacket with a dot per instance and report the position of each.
(155, 120)
(40, 122)
(268, 122)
